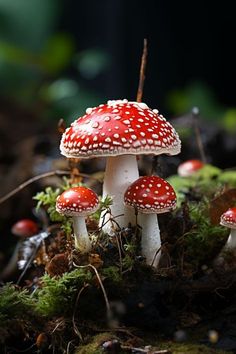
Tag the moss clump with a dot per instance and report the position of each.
(184, 348)
(56, 297)
(113, 274)
(17, 309)
(95, 346)
(204, 241)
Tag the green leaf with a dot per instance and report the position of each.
(57, 53)
(28, 23)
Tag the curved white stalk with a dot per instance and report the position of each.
(120, 172)
(82, 241)
(231, 242)
(151, 241)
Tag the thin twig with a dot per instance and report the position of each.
(101, 285)
(119, 252)
(38, 177)
(142, 72)
(76, 330)
(195, 114)
(144, 351)
(155, 256)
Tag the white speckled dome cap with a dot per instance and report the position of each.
(119, 127)
(228, 219)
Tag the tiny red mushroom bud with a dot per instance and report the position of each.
(228, 219)
(78, 202)
(189, 167)
(150, 195)
(24, 228)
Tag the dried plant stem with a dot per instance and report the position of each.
(195, 114)
(76, 330)
(101, 285)
(142, 72)
(38, 177)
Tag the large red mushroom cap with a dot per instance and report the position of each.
(77, 201)
(228, 219)
(151, 194)
(189, 167)
(24, 228)
(120, 127)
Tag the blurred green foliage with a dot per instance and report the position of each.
(208, 180)
(200, 95)
(35, 59)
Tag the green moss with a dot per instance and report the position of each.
(112, 273)
(184, 348)
(17, 307)
(228, 177)
(57, 295)
(95, 345)
(204, 240)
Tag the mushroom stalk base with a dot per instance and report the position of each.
(231, 242)
(82, 241)
(120, 172)
(151, 241)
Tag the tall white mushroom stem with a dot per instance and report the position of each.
(82, 241)
(151, 241)
(231, 242)
(120, 172)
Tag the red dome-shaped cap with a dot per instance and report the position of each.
(25, 228)
(228, 219)
(188, 168)
(151, 194)
(77, 201)
(120, 127)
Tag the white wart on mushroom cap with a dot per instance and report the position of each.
(119, 127)
(151, 195)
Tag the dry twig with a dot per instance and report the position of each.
(142, 72)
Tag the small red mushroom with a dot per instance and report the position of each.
(188, 168)
(150, 195)
(228, 219)
(119, 130)
(78, 202)
(24, 228)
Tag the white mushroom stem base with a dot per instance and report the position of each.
(231, 242)
(151, 241)
(82, 241)
(120, 172)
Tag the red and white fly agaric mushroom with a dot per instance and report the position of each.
(119, 130)
(150, 195)
(24, 228)
(78, 202)
(228, 219)
(189, 167)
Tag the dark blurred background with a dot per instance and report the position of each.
(66, 55)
